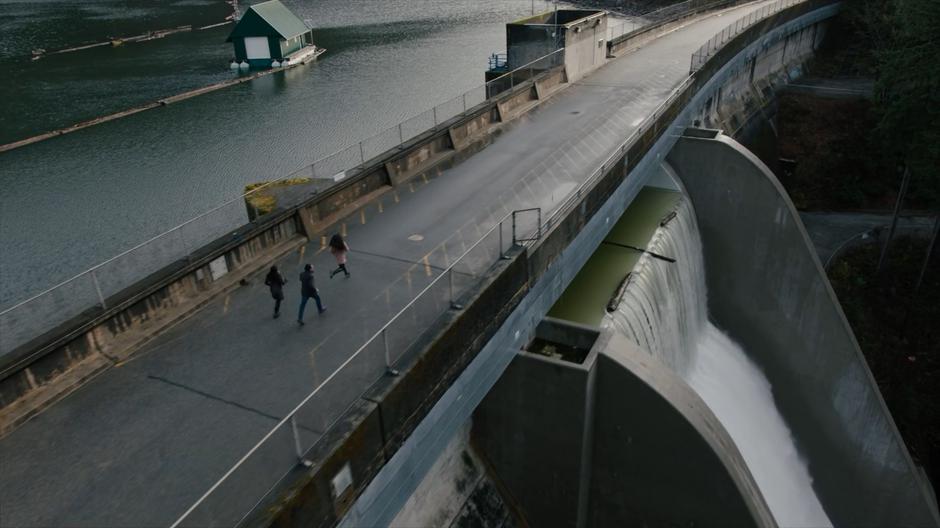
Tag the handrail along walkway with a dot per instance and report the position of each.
(542, 227)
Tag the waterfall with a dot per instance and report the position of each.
(664, 310)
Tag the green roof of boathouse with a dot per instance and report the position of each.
(268, 19)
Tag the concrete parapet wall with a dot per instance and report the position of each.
(510, 107)
(97, 339)
(422, 156)
(549, 83)
(316, 214)
(463, 134)
(768, 290)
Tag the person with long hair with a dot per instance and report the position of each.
(275, 281)
(340, 249)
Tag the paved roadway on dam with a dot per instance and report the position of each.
(141, 442)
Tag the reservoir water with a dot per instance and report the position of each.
(73, 201)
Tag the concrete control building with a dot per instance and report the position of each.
(270, 35)
(581, 33)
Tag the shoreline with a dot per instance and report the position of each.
(155, 104)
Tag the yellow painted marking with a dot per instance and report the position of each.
(425, 178)
(362, 216)
(380, 207)
(300, 253)
(411, 187)
(395, 194)
(323, 241)
(446, 257)
(321, 250)
(228, 299)
(427, 266)
(342, 229)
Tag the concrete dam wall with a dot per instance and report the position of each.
(761, 397)
(770, 293)
(554, 262)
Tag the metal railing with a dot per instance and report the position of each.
(280, 451)
(700, 57)
(91, 288)
(497, 61)
(285, 446)
(654, 17)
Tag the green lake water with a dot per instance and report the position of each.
(585, 299)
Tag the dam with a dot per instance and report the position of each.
(586, 254)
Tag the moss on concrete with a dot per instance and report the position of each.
(261, 197)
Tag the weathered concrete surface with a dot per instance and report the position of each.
(554, 262)
(176, 420)
(768, 290)
(456, 492)
(619, 440)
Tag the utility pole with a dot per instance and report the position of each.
(894, 219)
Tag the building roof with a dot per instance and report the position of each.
(270, 19)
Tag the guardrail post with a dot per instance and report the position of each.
(538, 230)
(300, 454)
(514, 228)
(388, 360)
(502, 254)
(450, 279)
(179, 233)
(94, 279)
(362, 156)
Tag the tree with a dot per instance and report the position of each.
(906, 37)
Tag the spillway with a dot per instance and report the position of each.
(664, 310)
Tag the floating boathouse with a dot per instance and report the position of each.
(270, 35)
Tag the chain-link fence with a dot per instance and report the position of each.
(700, 57)
(626, 27)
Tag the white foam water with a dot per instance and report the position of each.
(665, 311)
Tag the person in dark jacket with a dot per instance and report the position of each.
(307, 290)
(275, 281)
